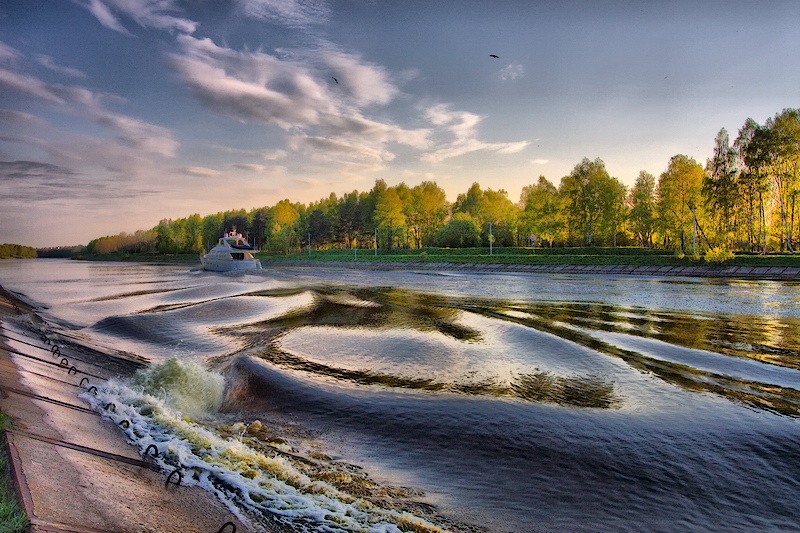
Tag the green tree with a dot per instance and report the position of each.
(460, 231)
(588, 191)
(679, 189)
(213, 228)
(784, 166)
(615, 210)
(426, 212)
(542, 211)
(389, 217)
(285, 218)
(754, 184)
(642, 200)
(165, 237)
(721, 186)
(193, 236)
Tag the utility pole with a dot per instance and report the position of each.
(376, 242)
(309, 244)
(490, 238)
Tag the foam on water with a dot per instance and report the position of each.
(264, 483)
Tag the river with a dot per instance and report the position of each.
(343, 400)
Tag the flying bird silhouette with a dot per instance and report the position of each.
(334, 79)
(494, 56)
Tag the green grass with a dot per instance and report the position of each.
(540, 256)
(12, 518)
(594, 255)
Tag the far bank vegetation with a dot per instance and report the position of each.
(743, 199)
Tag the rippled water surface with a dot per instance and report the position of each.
(467, 402)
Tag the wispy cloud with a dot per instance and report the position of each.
(260, 169)
(156, 14)
(266, 155)
(462, 126)
(90, 105)
(8, 54)
(539, 161)
(49, 63)
(512, 72)
(297, 93)
(328, 149)
(292, 13)
(200, 172)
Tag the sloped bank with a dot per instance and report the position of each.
(705, 271)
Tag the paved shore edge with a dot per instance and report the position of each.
(73, 471)
(705, 271)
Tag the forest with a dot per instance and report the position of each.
(743, 198)
(8, 251)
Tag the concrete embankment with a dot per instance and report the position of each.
(73, 470)
(706, 271)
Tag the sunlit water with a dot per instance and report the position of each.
(415, 401)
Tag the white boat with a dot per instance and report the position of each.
(232, 252)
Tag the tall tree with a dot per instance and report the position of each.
(615, 210)
(679, 190)
(426, 212)
(542, 211)
(389, 216)
(642, 200)
(586, 190)
(784, 144)
(721, 186)
(754, 185)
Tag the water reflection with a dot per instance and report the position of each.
(764, 339)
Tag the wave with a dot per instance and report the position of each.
(258, 478)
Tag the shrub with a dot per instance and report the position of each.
(718, 255)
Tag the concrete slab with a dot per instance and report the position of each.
(93, 481)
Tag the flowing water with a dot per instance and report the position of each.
(386, 401)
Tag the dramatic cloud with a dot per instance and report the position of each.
(25, 170)
(157, 14)
(292, 13)
(298, 94)
(364, 83)
(30, 182)
(327, 149)
(90, 105)
(462, 127)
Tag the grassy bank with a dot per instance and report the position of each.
(12, 519)
(527, 256)
(540, 256)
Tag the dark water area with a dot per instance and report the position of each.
(476, 402)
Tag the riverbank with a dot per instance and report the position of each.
(710, 271)
(73, 470)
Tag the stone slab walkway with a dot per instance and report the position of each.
(706, 271)
(74, 471)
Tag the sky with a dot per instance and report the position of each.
(115, 114)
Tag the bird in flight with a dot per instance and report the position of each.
(494, 56)
(334, 79)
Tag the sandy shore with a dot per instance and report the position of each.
(73, 470)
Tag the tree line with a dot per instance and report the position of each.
(744, 198)
(9, 251)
